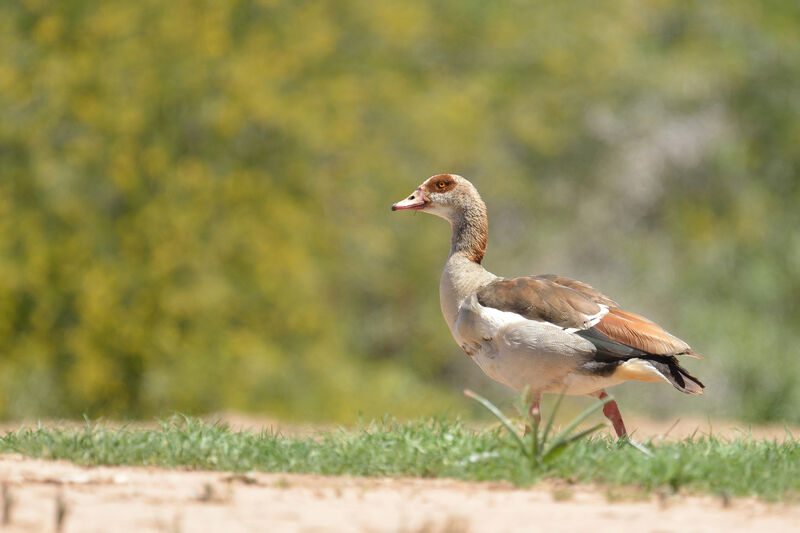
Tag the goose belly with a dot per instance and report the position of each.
(552, 372)
(505, 370)
(548, 368)
(522, 353)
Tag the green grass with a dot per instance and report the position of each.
(433, 448)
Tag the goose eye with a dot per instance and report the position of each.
(441, 185)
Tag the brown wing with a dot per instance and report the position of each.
(587, 290)
(542, 299)
(638, 332)
(569, 303)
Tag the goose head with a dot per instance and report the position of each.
(456, 200)
(448, 196)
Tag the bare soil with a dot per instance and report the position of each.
(125, 499)
(37, 495)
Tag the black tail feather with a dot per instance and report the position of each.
(680, 378)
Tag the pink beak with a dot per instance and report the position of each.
(416, 201)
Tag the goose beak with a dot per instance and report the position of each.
(416, 201)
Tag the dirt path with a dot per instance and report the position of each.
(155, 500)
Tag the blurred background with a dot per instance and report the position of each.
(194, 195)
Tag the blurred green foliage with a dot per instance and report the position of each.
(194, 194)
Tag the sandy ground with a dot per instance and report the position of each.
(149, 499)
(35, 493)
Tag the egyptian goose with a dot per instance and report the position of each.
(543, 333)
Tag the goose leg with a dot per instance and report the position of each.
(611, 410)
(534, 410)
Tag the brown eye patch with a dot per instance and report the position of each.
(440, 183)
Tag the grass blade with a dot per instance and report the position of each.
(499, 415)
(559, 447)
(580, 418)
(550, 420)
(639, 447)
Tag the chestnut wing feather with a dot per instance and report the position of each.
(626, 328)
(638, 332)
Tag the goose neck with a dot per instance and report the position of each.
(470, 234)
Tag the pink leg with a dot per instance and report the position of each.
(534, 411)
(611, 410)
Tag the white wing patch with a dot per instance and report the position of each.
(477, 323)
(591, 320)
(495, 319)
